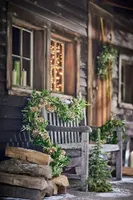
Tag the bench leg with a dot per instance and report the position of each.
(119, 156)
(85, 161)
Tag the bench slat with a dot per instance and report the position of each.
(105, 147)
(71, 129)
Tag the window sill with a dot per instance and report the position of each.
(126, 105)
(26, 92)
(62, 96)
(20, 91)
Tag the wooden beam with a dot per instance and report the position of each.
(116, 5)
(90, 68)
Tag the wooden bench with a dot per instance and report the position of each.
(74, 138)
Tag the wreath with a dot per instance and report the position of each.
(35, 124)
(106, 58)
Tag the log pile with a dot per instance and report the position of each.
(27, 174)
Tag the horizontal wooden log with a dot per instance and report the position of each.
(23, 181)
(127, 171)
(10, 112)
(10, 124)
(26, 168)
(21, 192)
(29, 155)
(69, 129)
(13, 101)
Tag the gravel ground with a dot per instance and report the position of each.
(122, 190)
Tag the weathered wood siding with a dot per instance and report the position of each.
(59, 14)
(10, 118)
(123, 40)
(84, 67)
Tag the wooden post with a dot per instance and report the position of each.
(119, 155)
(48, 68)
(90, 68)
(85, 160)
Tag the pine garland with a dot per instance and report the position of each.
(35, 124)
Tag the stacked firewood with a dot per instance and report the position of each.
(28, 175)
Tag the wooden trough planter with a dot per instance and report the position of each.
(28, 175)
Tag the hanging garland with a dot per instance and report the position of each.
(106, 58)
(35, 124)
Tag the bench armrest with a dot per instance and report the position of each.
(69, 129)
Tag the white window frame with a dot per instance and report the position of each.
(130, 60)
(22, 57)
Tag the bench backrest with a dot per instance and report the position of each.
(60, 137)
(23, 139)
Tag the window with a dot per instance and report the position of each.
(62, 65)
(22, 57)
(38, 59)
(125, 79)
(26, 59)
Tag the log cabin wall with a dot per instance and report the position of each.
(123, 40)
(3, 50)
(65, 15)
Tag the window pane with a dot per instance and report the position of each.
(26, 73)
(57, 66)
(16, 41)
(26, 44)
(127, 83)
(16, 72)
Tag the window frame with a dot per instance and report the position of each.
(21, 90)
(130, 60)
(29, 20)
(68, 38)
(22, 57)
(63, 66)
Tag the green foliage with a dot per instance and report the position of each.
(108, 131)
(60, 160)
(99, 172)
(108, 55)
(36, 125)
